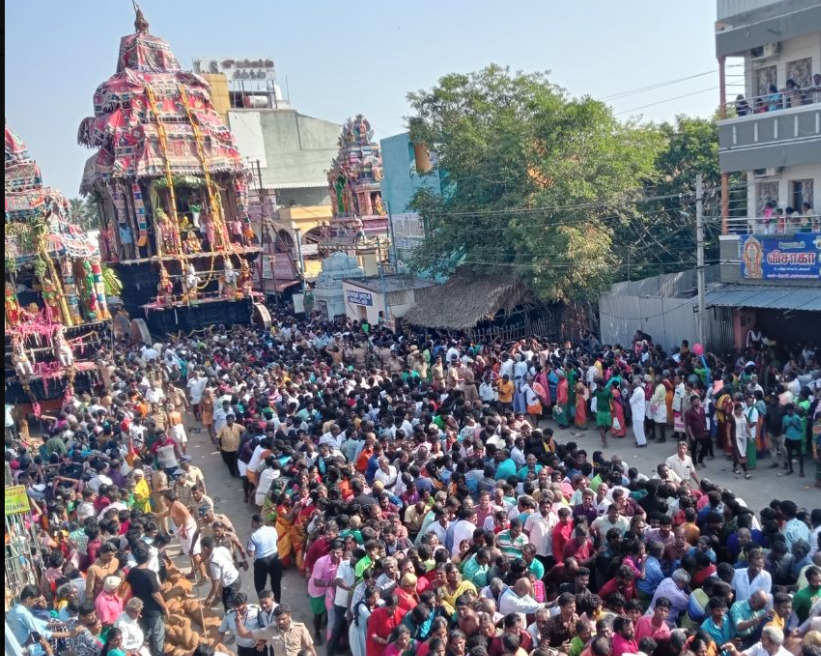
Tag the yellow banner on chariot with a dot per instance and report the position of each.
(17, 500)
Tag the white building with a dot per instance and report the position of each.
(776, 41)
(382, 298)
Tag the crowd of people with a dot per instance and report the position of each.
(438, 495)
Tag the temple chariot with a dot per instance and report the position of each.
(172, 191)
(56, 307)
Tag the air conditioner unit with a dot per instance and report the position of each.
(767, 51)
(769, 172)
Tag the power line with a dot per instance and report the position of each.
(652, 87)
(666, 100)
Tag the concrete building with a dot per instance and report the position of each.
(774, 137)
(770, 266)
(769, 275)
(408, 168)
(382, 298)
(329, 294)
(288, 153)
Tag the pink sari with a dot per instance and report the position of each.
(617, 411)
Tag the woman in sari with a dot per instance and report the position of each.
(619, 426)
(285, 521)
(142, 493)
(207, 408)
(562, 399)
(668, 399)
(572, 377)
(532, 401)
(581, 406)
(306, 508)
(542, 387)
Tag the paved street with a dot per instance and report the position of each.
(757, 492)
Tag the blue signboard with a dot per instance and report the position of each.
(781, 257)
(360, 298)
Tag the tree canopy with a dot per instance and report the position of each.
(547, 187)
(84, 213)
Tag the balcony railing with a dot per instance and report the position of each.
(774, 101)
(777, 224)
(726, 8)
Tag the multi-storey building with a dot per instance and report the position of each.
(770, 130)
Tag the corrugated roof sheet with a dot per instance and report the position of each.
(282, 184)
(761, 296)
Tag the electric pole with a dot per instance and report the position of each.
(700, 272)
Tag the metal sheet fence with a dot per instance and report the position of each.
(667, 320)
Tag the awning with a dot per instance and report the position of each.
(766, 297)
(282, 285)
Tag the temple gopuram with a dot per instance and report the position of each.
(355, 181)
(56, 310)
(172, 191)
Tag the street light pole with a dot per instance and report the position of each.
(700, 272)
(394, 258)
(300, 261)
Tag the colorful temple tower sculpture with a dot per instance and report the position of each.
(56, 306)
(172, 189)
(355, 181)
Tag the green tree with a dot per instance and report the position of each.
(659, 235)
(84, 213)
(535, 180)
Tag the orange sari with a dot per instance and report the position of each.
(285, 530)
(581, 406)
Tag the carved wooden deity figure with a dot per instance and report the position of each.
(89, 293)
(168, 233)
(246, 279)
(20, 359)
(190, 282)
(228, 287)
(12, 307)
(165, 288)
(62, 349)
(192, 243)
(51, 301)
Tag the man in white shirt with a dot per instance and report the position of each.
(196, 388)
(129, 623)
(506, 369)
(224, 575)
(772, 644)
(386, 473)
(221, 415)
(343, 584)
(465, 526)
(333, 438)
(539, 528)
(518, 599)
(681, 463)
(753, 577)
(100, 479)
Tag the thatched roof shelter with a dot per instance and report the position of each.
(466, 299)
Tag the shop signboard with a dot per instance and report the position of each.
(781, 257)
(360, 298)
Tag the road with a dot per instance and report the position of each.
(757, 492)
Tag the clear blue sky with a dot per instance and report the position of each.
(342, 58)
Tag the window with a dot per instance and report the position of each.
(764, 193)
(397, 298)
(801, 191)
(764, 77)
(800, 71)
